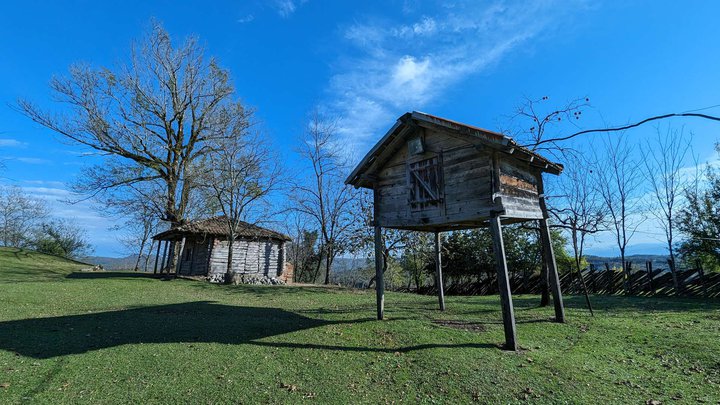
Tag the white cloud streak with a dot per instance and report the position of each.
(11, 143)
(31, 160)
(286, 8)
(408, 66)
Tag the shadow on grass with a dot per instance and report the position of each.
(90, 275)
(289, 289)
(618, 303)
(200, 321)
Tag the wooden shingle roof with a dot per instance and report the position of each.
(407, 122)
(216, 226)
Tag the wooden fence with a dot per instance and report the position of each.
(644, 281)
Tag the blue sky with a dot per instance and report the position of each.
(367, 63)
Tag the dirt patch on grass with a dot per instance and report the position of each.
(466, 326)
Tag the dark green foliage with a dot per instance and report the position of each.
(699, 221)
(305, 256)
(468, 255)
(62, 238)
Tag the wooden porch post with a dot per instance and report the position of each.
(503, 284)
(438, 271)
(164, 258)
(180, 257)
(157, 256)
(552, 271)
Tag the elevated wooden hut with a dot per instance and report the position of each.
(432, 174)
(204, 249)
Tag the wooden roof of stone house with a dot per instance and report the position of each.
(216, 226)
(405, 126)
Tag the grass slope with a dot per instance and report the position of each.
(124, 338)
(22, 265)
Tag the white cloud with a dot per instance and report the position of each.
(287, 7)
(401, 67)
(32, 161)
(11, 143)
(426, 26)
(246, 19)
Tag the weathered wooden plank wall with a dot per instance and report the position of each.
(260, 257)
(465, 176)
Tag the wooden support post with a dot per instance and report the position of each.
(549, 257)
(651, 285)
(157, 257)
(180, 257)
(163, 264)
(503, 284)
(379, 276)
(552, 271)
(438, 271)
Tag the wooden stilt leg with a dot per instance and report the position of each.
(438, 272)
(552, 271)
(503, 285)
(379, 276)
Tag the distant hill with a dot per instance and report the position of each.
(638, 261)
(343, 264)
(114, 263)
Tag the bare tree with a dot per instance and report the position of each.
(533, 119)
(140, 225)
(152, 119)
(20, 215)
(324, 198)
(579, 207)
(619, 180)
(664, 159)
(241, 171)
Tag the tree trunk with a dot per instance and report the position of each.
(328, 266)
(317, 268)
(228, 269)
(140, 253)
(147, 257)
(673, 272)
(626, 273)
(172, 257)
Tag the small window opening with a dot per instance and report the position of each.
(425, 183)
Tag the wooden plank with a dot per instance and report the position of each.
(503, 285)
(438, 271)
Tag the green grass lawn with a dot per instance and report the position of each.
(69, 337)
